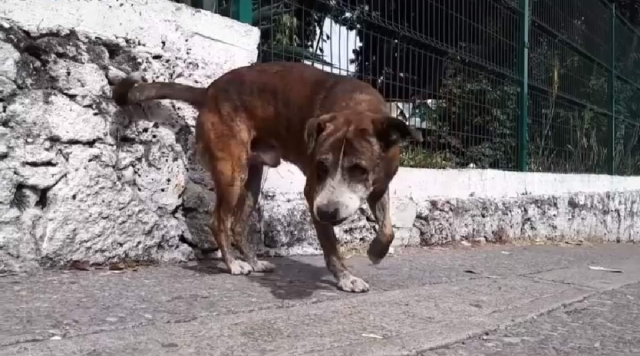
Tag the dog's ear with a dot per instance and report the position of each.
(391, 132)
(315, 127)
(311, 132)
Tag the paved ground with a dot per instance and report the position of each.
(493, 300)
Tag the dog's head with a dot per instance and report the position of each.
(354, 153)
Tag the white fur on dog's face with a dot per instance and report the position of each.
(343, 186)
(338, 198)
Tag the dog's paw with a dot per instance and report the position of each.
(237, 267)
(264, 266)
(350, 283)
(377, 251)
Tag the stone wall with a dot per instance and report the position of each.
(82, 180)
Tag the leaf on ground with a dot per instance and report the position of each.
(373, 336)
(80, 265)
(470, 271)
(132, 266)
(117, 267)
(605, 269)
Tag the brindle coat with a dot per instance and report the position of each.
(334, 128)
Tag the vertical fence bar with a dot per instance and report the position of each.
(242, 11)
(611, 96)
(523, 96)
(210, 5)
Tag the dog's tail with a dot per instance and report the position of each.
(131, 91)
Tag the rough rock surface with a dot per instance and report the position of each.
(79, 178)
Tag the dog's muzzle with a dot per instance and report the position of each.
(330, 215)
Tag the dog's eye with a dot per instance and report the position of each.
(357, 171)
(322, 170)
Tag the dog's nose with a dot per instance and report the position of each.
(328, 214)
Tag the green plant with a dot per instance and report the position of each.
(289, 31)
(474, 123)
(417, 157)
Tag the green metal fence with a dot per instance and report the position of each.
(240, 10)
(531, 85)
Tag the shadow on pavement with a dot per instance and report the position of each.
(292, 279)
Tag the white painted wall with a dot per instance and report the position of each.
(420, 184)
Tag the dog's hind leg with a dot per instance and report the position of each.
(223, 150)
(229, 188)
(246, 204)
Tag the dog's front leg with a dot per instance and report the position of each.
(329, 243)
(378, 248)
(332, 257)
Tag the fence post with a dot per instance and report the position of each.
(523, 97)
(242, 11)
(611, 96)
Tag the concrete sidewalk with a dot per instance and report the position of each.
(423, 301)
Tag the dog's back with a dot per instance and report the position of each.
(277, 99)
(295, 89)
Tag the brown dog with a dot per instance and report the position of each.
(334, 128)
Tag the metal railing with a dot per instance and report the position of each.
(529, 85)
